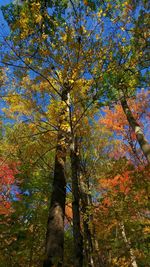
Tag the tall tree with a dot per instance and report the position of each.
(78, 239)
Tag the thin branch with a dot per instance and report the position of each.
(73, 6)
(31, 68)
(13, 65)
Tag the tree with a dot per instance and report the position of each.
(64, 65)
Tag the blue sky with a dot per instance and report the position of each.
(3, 3)
(2, 21)
(3, 26)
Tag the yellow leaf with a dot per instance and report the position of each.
(122, 28)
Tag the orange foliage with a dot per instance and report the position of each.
(68, 212)
(120, 183)
(115, 119)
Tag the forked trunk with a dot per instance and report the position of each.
(55, 226)
(145, 146)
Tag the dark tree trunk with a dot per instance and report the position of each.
(54, 249)
(93, 257)
(86, 203)
(88, 244)
(55, 227)
(145, 146)
(78, 240)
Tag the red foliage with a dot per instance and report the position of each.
(7, 179)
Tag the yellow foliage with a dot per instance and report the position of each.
(121, 262)
(64, 37)
(44, 36)
(146, 230)
(123, 29)
(18, 104)
(38, 18)
(28, 61)
(109, 5)
(27, 17)
(65, 126)
(100, 13)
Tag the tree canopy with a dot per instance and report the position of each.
(74, 133)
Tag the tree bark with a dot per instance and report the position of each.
(54, 249)
(86, 203)
(144, 145)
(78, 240)
(55, 226)
(93, 257)
(128, 245)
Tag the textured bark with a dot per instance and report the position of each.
(55, 226)
(88, 245)
(145, 146)
(54, 249)
(128, 246)
(78, 240)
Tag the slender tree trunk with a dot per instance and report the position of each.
(91, 248)
(78, 240)
(88, 245)
(55, 227)
(100, 259)
(128, 245)
(145, 146)
(86, 203)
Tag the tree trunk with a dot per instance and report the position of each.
(86, 203)
(54, 249)
(128, 246)
(78, 240)
(145, 146)
(55, 227)
(92, 252)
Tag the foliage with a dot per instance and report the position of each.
(69, 66)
